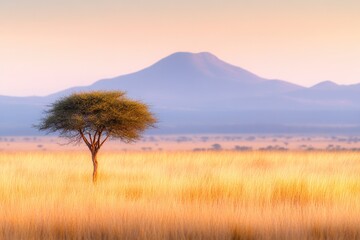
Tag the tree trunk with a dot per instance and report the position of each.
(95, 164)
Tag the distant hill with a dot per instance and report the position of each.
(192, 81)
(198, 92)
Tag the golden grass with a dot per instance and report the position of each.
(180, 195)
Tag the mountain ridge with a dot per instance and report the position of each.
(194, 89)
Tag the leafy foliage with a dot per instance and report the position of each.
(96, 116)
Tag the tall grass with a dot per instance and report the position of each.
(180, 195)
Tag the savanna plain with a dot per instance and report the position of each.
(180, 195)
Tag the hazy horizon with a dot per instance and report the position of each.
(46, 47)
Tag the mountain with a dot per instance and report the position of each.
(198, 92)
(326, 85)
(181, 73)
(193, 81)
(329, 95)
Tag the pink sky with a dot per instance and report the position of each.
(47, 47)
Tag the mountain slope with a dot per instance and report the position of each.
(193, 91)
(326, 85)
(193, 81)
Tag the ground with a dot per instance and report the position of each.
(200, 142)
(180, 195)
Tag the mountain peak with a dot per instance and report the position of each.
(197, 54)
(325, 85)
(190, 57)
(204, 63)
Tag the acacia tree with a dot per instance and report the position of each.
(94, 117)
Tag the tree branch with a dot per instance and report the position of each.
(84, 138)
(107, 136)
(91, 140)
(98, 139)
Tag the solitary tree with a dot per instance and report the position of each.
(94, 117)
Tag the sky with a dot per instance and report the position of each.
(51, 45)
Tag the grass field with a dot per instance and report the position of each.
(180, 195)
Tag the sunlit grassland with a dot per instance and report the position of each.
(180, 195)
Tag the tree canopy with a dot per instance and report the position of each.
(96, 116)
